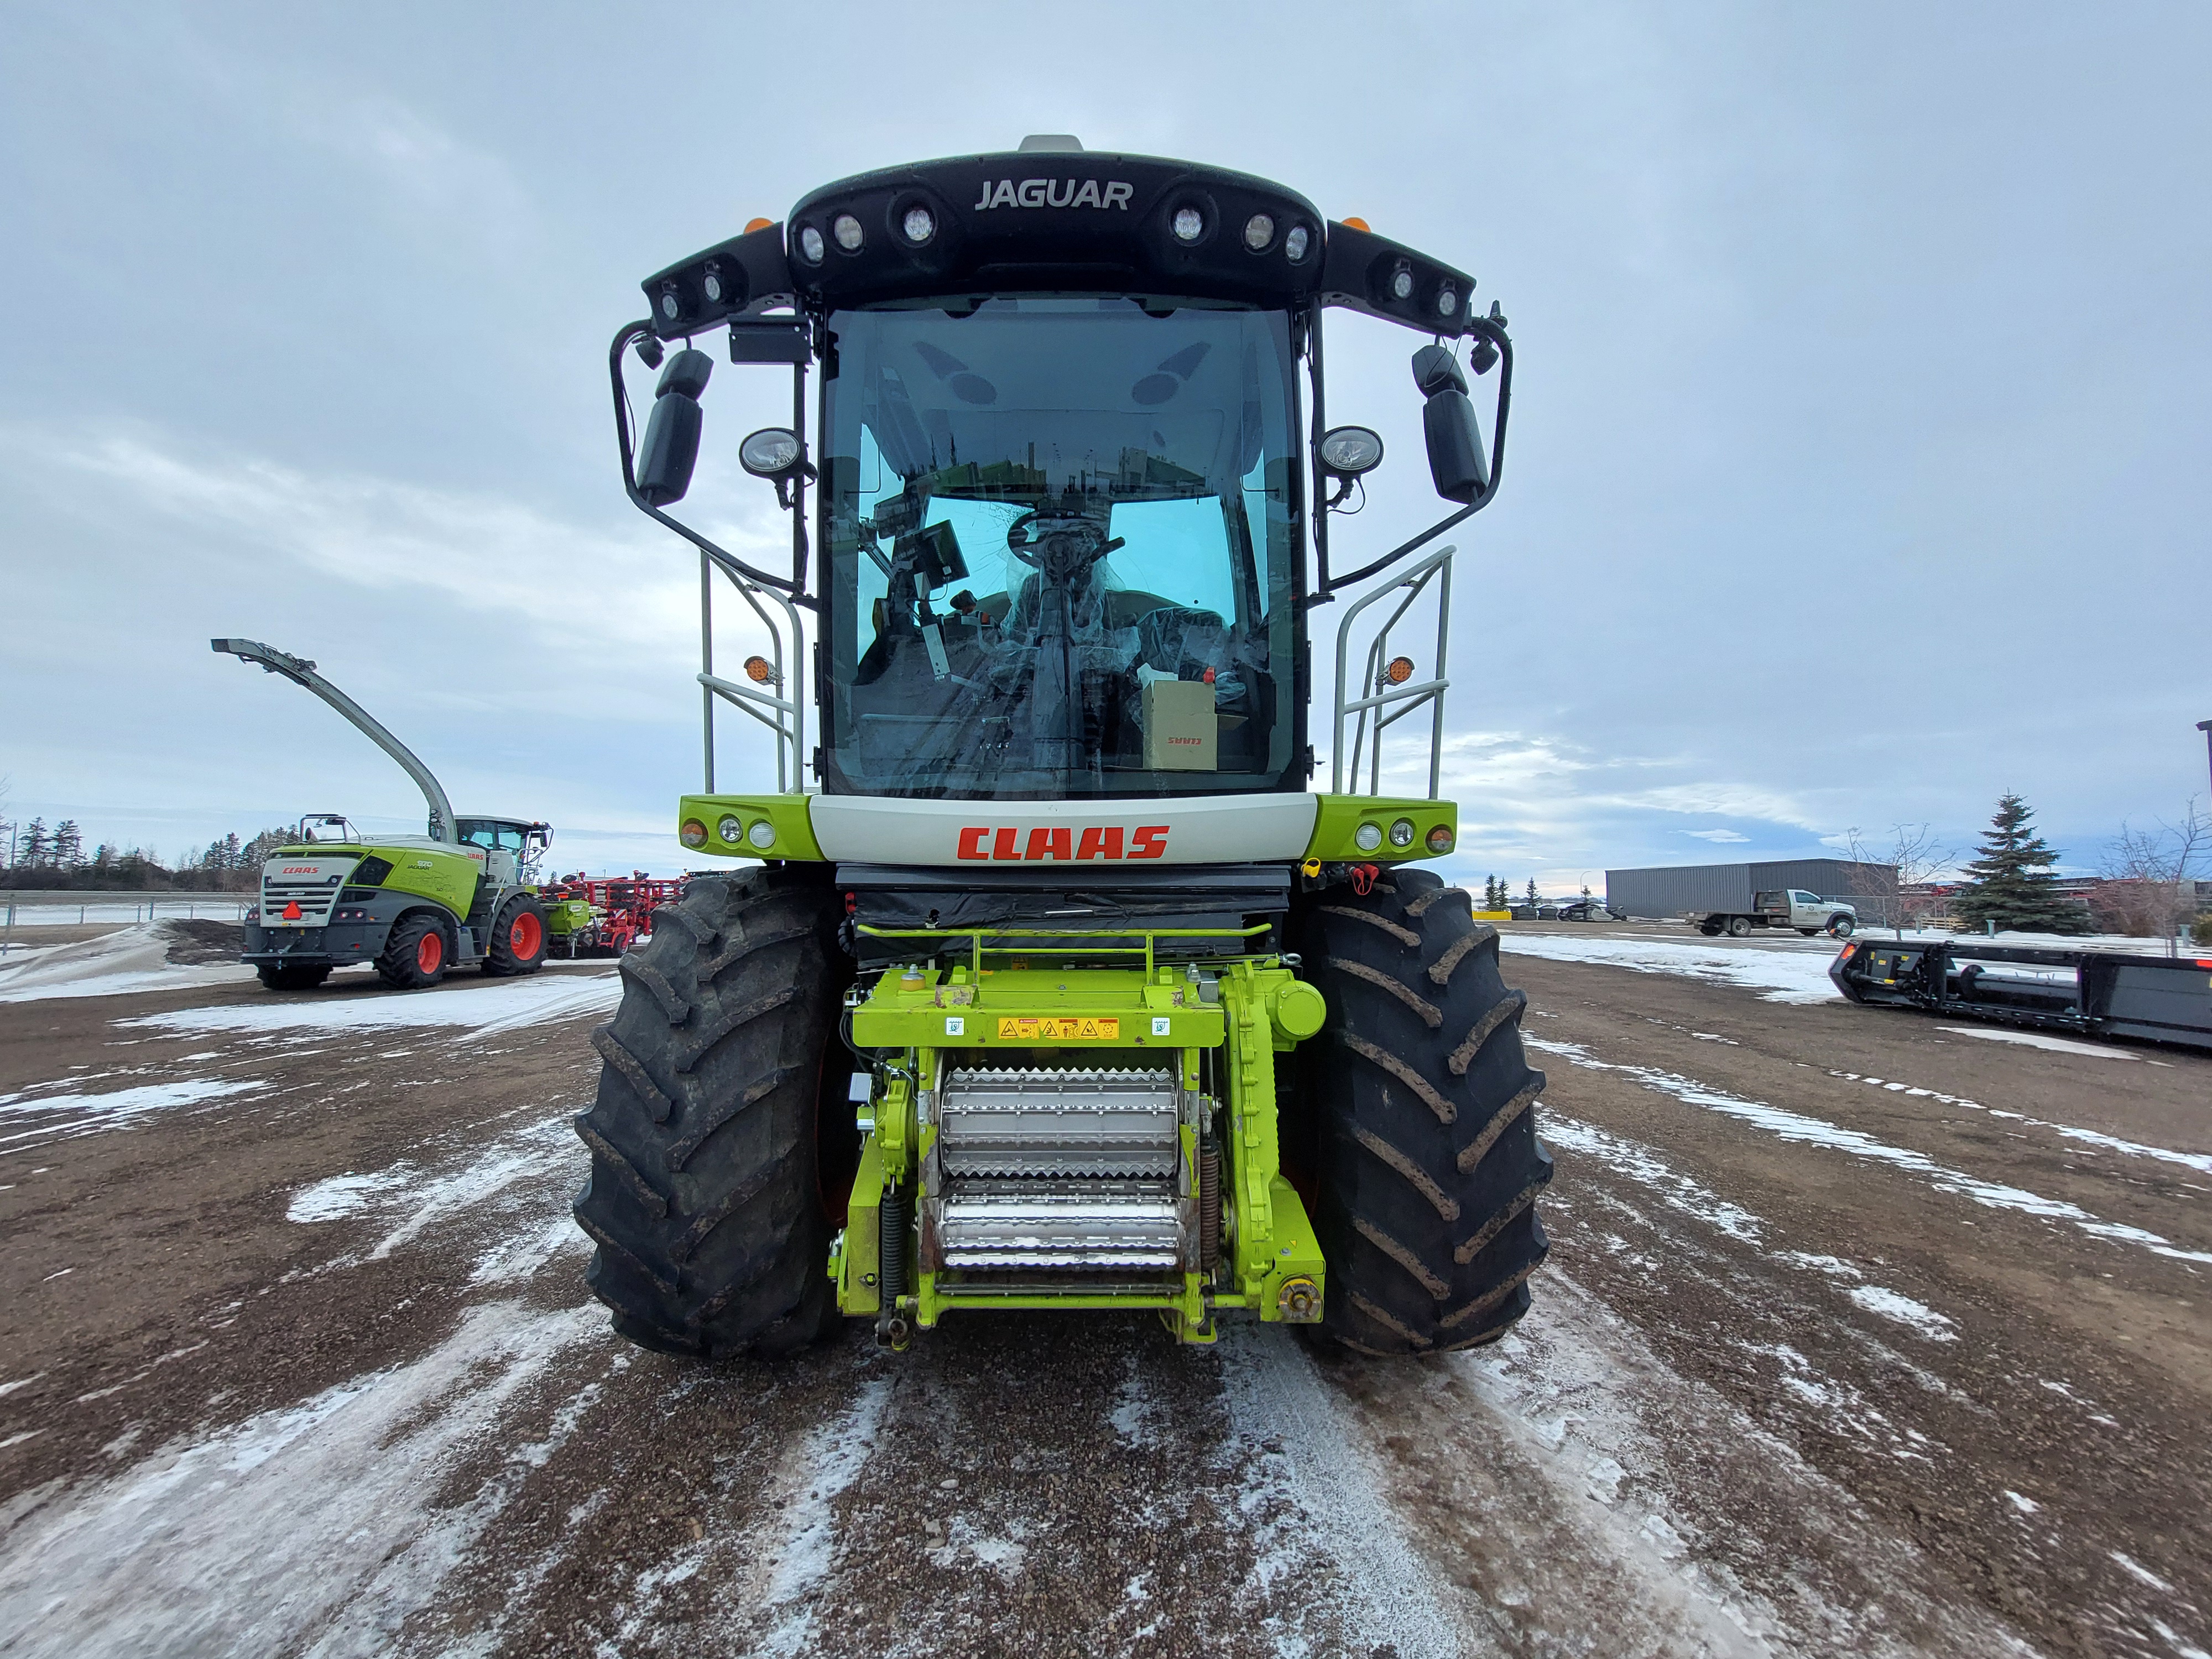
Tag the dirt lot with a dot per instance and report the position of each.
(1860, 1335)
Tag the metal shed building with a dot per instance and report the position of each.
(1668, 892)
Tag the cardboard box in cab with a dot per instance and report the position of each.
(1181, 731)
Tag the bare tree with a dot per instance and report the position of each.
(1915, 856)
(2149, 889)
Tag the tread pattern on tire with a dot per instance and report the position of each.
(702, 1197)
(1429, 1166)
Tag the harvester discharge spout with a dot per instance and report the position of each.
(301, 672)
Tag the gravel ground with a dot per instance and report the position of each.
(1860, 1335)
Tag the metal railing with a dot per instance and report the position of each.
(782, 708)
(1367, 713)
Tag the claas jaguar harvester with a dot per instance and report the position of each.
(1056, 986)
(413, 906)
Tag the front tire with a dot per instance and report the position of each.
(1421, 1109)
(707, 1196)
(414, 954)
(519, 939)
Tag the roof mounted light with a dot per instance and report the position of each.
(671, 304)
(1447, 300)
(919, 224)
(1189, 224)
(809, 244)
(1296, 242)
(1259, 231)
(711, 282)
(847, 229)
(1401, 282)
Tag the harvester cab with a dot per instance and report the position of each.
(464, 893)
(1058, 986)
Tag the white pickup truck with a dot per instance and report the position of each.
(1809, 912)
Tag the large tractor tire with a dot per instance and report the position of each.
(414, 956)
(519, 939)
(718, 1139)
(292, 976)
(1419, 1116)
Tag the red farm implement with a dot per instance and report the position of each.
(622, 910)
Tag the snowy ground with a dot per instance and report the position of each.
(1859, 1337)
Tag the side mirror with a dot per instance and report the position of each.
(671, 436)
(1457, 461)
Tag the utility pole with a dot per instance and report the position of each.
(2205, 727)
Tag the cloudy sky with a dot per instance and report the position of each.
(1856, 465)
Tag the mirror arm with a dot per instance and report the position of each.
(729, 563)
(1495, 334)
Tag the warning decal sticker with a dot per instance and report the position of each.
(1061, 1029)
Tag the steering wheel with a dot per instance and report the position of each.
(1068, 543)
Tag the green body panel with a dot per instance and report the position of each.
(929, 1019)
(565, 916)
(794, 830)
(1337, 824)
(424, 869)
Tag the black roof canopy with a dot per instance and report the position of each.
(1057, 222)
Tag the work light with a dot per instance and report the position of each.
(847, 229)
(919, 225)
(809, 244)
(712, 284)
(1189, 224)
(1259, 231)
(1295, 244)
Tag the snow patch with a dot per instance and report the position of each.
(1916, 1317)
(478, 1011)
(29, 1121)
(344, 1195)
(129, 959)
(1798, 1128)
(2037, 1040)
(1784, 974)
(315, 1517)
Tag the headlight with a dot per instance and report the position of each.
(729, 828)
(1401, 833)
(919, 225)
(762, 834)
(847, 229)
(1189, 224)
(809, 244)
(1295, 244)
(1440, 839)
(1259, 231)
(693, 834)
(1367, 837)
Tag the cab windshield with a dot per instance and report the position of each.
(1060, 542)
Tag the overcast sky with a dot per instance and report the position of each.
(1856, 474)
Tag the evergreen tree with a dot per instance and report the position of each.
(1490, 892)
(69, 845)
(31, 851)
(2012, 880)
(1532, 890)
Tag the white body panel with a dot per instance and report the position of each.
(1185, 830)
